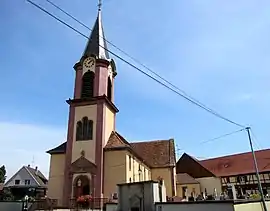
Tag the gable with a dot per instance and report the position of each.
(21, 175)
(187, 164)
(83, 165)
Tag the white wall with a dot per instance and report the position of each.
(210, 183)
(197, 206)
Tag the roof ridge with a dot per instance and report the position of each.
(235, 154)
(33, 176)
(163, 140)
(121, 138)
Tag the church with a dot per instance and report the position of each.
(95, 157)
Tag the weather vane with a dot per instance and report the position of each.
(99, 5)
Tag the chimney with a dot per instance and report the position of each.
(36, 170)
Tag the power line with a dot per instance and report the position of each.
(222, 136)
(134, 59)
(140, 70)
(255, 139)
(219, 137)
(131, 57)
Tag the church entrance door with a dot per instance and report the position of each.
(81, 186)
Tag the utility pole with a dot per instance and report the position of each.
(256, 169)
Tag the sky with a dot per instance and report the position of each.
(217, 51)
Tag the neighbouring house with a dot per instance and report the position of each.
(239, 170)
(95, 158)
(27, 181)
(223, 172)
(193, 177)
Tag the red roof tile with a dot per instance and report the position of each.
(115, 141)
(160, 153)
(238, 164)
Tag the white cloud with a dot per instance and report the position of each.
(23, 144)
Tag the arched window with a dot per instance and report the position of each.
(79, 134)
(109, 89)
(90, 130)
(85, 127)
(84, 130)
(88, 84)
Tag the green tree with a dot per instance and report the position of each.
(3, 174)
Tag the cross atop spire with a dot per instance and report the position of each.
(97, 44)
(99, 5)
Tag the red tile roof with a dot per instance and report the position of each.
(238, 164)
(156, 154)
(159, 153)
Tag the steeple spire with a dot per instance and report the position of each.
(97, 44)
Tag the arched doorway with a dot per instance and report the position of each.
(81, 186)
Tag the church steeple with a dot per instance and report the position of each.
(97, 44)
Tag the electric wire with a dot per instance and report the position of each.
(255, 139)
(222, 136)
(135, 67)
(131, 57)
(216, 138)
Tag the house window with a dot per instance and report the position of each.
(144, 174)
(88, 85)
(129, 162)
(84, 129)
(27, 182)
(17, 182)
(242, 179)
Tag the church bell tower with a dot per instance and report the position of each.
(91, 118)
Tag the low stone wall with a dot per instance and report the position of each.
(11, 205)
(250, 206)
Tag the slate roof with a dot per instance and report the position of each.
(59, 149)
(97, 44)
(184, 178)
(156, 154)
(39, 177)
(238, 164)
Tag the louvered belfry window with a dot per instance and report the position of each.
(109, 89)
(84, 130)
(88, 84)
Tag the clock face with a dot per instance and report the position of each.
(89, 62)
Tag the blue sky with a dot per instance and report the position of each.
(217, 51)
